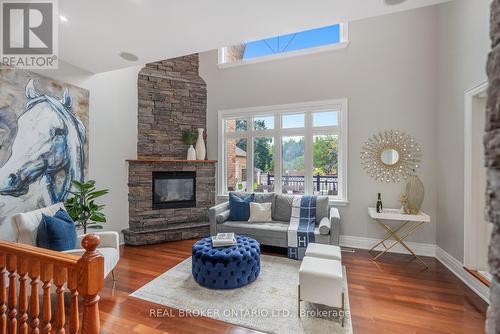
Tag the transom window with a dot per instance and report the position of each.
(301, 42)
(292, 149)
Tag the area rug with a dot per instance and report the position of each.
(269, 304)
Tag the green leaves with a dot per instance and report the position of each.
(97, 227)
(98, 193)
(98, 217)
(82, 208)
(189, 137)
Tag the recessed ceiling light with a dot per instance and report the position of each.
(393, 2)
(63, 19)
(128, 56)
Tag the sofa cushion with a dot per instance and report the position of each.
(282, 207)
(239, 208)
(260, 212)
(27, 223)
(275, 232)
(275, 229)
(57, 232)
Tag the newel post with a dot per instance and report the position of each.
(90, 282)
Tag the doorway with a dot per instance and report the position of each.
(477, 231)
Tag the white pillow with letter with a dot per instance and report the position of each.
(260, 212)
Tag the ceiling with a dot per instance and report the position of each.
(96, 31)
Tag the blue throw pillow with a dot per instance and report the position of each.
(57, 233)
(239, 208)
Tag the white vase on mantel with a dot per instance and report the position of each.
(201, 151)
(191, 155)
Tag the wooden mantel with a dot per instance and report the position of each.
(152, 160)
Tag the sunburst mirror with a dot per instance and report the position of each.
(390, 156)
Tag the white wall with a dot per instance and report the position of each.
(463, 48)
(112, 132)
(388, 74)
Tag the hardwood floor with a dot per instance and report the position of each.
(395, 295)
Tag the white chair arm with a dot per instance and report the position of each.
(108, 239)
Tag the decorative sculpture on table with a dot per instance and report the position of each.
(413, 196)
(390, 156)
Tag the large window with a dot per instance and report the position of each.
(293, 149)
(297, 43)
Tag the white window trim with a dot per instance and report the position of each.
(339, 105)
(342, 44)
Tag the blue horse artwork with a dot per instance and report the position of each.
(45, 155)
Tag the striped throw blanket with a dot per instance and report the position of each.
(302, 224)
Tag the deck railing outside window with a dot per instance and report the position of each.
(294, 184)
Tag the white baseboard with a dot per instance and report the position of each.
(422, 249)
(457, 268)
(367, 243)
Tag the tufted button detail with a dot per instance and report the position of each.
(226, 268)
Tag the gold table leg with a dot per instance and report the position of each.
(398, 240)
(388, 235)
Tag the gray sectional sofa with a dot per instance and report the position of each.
(275, 233)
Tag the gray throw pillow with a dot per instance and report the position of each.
(264, 197)
(282, 207)
(321, 207)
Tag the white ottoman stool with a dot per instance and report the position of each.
(321, 282)
(324, 251)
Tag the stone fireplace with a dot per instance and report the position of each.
(169, 197)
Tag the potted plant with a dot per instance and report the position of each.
(82, 208)
(189, 138)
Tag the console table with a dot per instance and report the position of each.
(402, 220)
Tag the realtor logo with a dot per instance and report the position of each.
(29, 34)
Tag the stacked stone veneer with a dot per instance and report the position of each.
(492, 150)
(172, 98)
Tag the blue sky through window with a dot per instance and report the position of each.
(292, 42)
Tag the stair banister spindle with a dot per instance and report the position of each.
(12, 269)
(46, 270)
(22, 265)
(3, 294)
(74, 318)
(34, 274)
(60, 277)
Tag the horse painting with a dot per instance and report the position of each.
(47, 153)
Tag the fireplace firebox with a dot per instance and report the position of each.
(174, 190)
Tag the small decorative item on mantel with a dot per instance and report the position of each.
(201, 151)
(189, 138)
(413, 196)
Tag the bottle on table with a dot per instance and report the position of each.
(379, 203)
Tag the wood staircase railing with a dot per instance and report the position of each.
(20, 309)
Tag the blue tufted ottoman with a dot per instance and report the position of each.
(226, 267)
